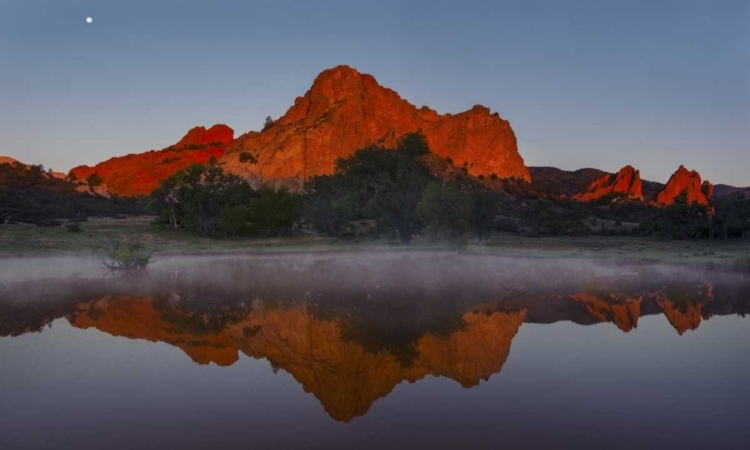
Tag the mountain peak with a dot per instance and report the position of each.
(7, 159)
(346, 110)
(218, 133)
(627, 181)
(688, 182)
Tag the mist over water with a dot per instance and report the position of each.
(372, 350)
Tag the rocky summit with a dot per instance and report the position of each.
(626, 182)
(687, 182)
(343, 111)
(346, 110)
(139, 174)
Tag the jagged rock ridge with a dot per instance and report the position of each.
(140, 174)
(346, 110)
(687, 182)
(626, 182)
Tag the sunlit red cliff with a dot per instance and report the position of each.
(343, 111)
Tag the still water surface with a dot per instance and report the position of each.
(376, 351)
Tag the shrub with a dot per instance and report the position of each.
(127, 256)
(94, 180)
(73, 227)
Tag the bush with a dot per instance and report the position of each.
(73, 227)
(94, 180)
(127, 256)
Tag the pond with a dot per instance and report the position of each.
(380, 350)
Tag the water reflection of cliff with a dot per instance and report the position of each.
(341, 373)
(350, 331)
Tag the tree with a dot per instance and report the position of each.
(388, 184)
(94, 180)
(680, 220)
(328, 204)
(268, 123)
(483, 212)
(195, 196)
(446, 209)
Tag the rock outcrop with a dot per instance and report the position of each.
(342, 112)
(687, 182)
(626, 182)
(217, 134)
(140, 174)
(7, 160)
(346, 110)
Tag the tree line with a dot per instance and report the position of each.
(392, 187)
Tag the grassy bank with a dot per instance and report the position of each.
(16, 240)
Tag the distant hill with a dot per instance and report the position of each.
(567, 183)
(31, 195)
(724, 190)
(558, 182)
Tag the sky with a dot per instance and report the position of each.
(597, 83)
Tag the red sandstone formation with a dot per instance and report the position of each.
(217, 134)
(688, 182)
(342, 112)
(140, 174)
(7, 159)
(627, 181)
(346, 110)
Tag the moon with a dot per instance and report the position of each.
(89, 20)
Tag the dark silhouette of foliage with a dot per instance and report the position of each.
(94, 180)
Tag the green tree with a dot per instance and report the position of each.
(268, 123)
(328, 204)
(388, 184)
(446, 209)
(94, 180)
(483, 212)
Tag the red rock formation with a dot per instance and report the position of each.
(624, 312)
(627, 181)
(7, 159)
(342, 112)
(140, 174)
(218, 133)
(346, 110)
(688, 182)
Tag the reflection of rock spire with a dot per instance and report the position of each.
(137, 318)
(683, 307)
(623, 311)
(342, 374)
(471, 354)
(682, 319)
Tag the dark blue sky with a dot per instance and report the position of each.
(591, 83)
